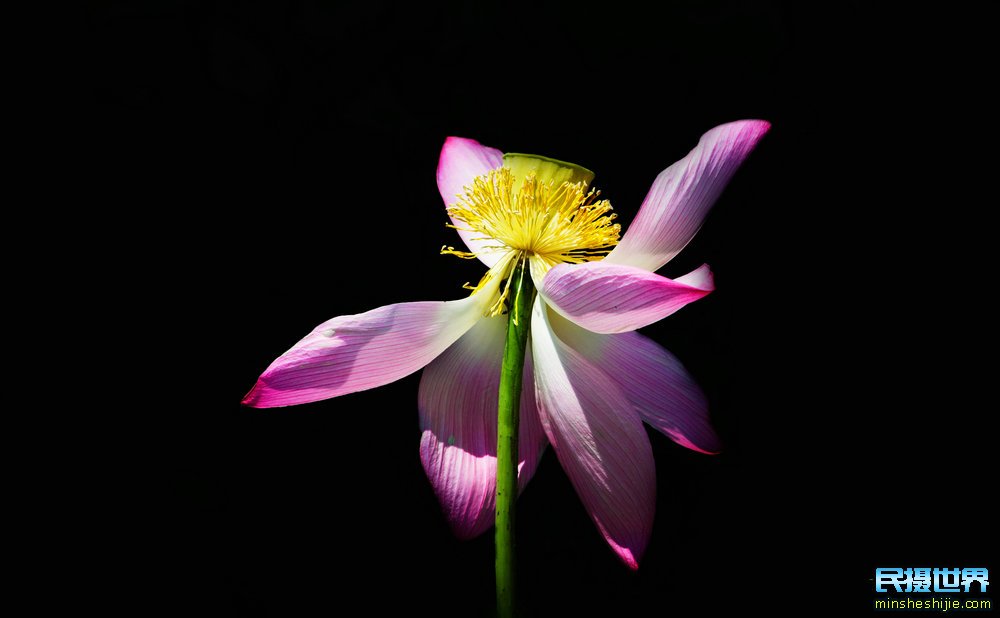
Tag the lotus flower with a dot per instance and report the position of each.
(590, 381)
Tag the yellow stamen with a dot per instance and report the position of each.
(542, 222)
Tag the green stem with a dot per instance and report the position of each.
(522, 293)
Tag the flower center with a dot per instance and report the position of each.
(550, 218)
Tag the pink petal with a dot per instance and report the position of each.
(682, 195)
(609, 298)
(356, 352)
(599, 440)
(652, 379)
(462, 160)
(458, 417)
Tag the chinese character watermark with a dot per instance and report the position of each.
(926, 579)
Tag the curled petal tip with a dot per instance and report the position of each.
(625, 554)
(708, 443)
(630, 562)
(701, 278)
(751, 132)
(254, 398)
(681, 439)
(453, 140)
(758, 126)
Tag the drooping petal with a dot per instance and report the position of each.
(462, 160)
(598, 438)
(610, 298)
(356, 352)
(682, 195)
(458, 417)
(652, 379)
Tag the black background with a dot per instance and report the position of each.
(276, 165)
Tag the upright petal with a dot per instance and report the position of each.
(609, 298)
(598, 438)
(462, 160)
(652, 379)
(356, 352)
(458, 417)
(682, 195)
